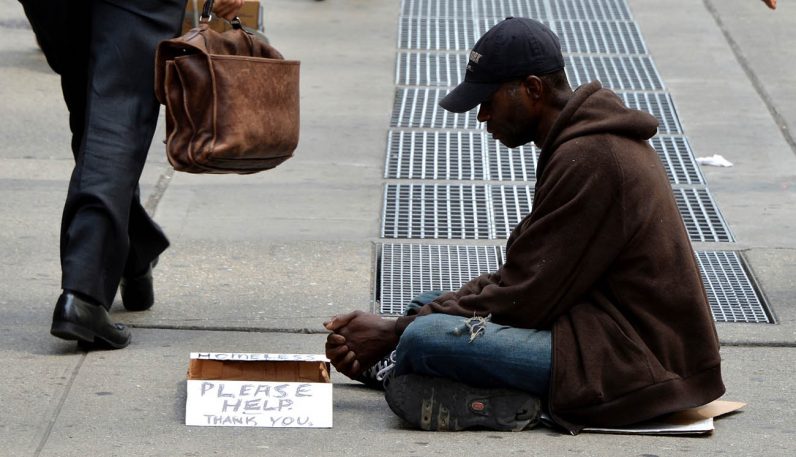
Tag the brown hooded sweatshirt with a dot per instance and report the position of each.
(604, 261)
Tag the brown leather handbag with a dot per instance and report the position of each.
(232, 100)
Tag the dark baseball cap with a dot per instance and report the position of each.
(514, 48)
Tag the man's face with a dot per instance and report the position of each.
(508, 114)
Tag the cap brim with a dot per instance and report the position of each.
(467, 96)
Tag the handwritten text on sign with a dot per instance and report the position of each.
(258, 404)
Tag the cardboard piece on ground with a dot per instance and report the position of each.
(250, 14)
(258, 390)
(694, 421)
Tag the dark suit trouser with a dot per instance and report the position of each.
(104, 51)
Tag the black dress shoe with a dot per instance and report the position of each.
(138, 293)
(89, 324)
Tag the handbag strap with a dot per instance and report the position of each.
(207, 13)
(207, 10)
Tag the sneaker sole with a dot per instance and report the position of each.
(445, 405)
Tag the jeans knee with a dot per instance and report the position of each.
(427, 334)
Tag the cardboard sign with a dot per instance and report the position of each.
(258, 390)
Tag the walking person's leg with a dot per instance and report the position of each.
(103, 220)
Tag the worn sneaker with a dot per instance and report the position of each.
(374, 376)
(446, 405)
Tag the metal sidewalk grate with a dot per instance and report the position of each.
(598, 10)
(415, 68)
(474, 155)
(456, 155)
(614, 72)
(731, 293)
(510, 204)
(516, 164)
(599, 37)
(538, 9)
(678, 159)
(435, 211)
(439, 34)
(481, 212)
(659, 104)
(576, 36)
(501, 9)
(435, 155)
(430, 68)
(437, 8)
(406, 270)
(418, 108)
(701, 216)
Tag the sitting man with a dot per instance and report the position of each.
(599, 309)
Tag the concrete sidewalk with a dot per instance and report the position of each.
(258, 262)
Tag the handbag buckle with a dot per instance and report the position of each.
(207, 10)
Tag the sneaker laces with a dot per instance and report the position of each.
(385, 366)
(380, 369)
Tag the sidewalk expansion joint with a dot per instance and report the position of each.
(302, 331)
(60, 405)
(758, 344)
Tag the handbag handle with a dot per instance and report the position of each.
(207, 11)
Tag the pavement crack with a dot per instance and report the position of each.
(151, 204)
(60, 405)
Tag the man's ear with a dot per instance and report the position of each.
(534, 87)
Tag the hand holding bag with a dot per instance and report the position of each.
(232, 100)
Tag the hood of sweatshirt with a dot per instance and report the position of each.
(593, 110)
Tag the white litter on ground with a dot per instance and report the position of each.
(715, 160)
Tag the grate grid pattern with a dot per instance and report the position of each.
(480, 212)
(730, 291)
(516, 164)
(437, 8)
(500, 9)
(659, 104)
(601, 10)
(435, 155)
(615, 72)
(414, 68)
(576, 36)
(435, 211)
(474, 155)
(701, 216)
(406, 270)
(599, 37)
(418, 108)
(510, 205)
(678, 159)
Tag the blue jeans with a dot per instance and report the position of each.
(439, 345)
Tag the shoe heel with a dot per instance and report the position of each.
(69, 331)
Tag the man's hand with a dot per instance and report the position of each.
(771, 4)
(227, 9)
(358, 340)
